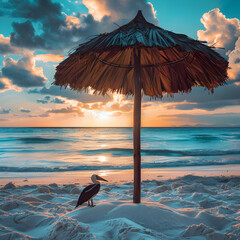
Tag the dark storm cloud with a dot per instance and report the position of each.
(34, 10)
(58, 30)
(52, 24)
(70, 94)
(24, 36)
(4, 10)
(56, 33)
(23, 72)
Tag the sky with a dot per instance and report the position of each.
(37, 35)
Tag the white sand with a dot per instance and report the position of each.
(188, 207)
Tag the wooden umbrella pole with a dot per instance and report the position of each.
(137, 126)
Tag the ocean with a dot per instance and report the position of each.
(77, 149)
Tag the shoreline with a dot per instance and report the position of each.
(115, 176)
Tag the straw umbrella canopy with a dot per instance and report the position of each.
(141, 58)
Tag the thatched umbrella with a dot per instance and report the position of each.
(141, 58)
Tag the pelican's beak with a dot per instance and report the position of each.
(100, 178)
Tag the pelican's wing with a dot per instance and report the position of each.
(87, 193)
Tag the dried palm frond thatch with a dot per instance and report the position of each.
(170, 62)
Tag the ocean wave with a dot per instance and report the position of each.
(37, 140)
(144, 165)
(237, 136)
(205, 137)
(161, 152)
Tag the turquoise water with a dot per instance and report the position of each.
(69, 149)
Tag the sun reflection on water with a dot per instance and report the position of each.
(102, 158)
(103, 173)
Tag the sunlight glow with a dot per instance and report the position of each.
(101, 115)
(118, 97)
(103, 173)
(102, 158)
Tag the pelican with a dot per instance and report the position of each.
(90, 191)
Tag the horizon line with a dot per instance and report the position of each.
(132, 127)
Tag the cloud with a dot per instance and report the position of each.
(224, 32)
(97, 9)
(219, 29)
(234, 62)
(6, 84)
(121, 107)
(52, 30)
(6, 48)
(201, 96)
(42, 101)
(70, 94)
(44, 115)
(23, 73)
(120, 10)
(25, 110)
(209, 106)
(58, 101)
(49, 57)
(117, 104)
(34, 10)
(72, 22)
(4, 111)
(67, 110)
(24, 36)
(58, 31)
(2, 85)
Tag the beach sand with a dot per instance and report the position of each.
(183, 207)
(115, 176)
